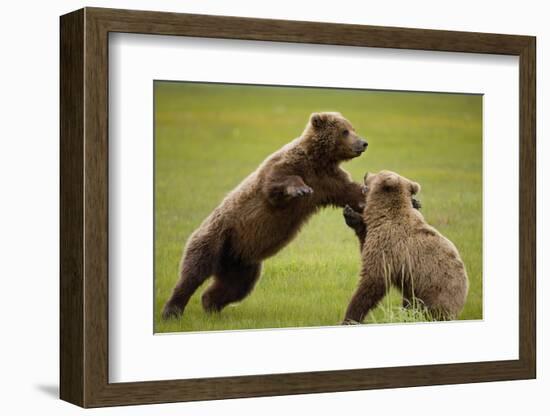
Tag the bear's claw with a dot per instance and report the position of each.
(350, 322)
(300, 191)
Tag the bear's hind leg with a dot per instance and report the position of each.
(230, 285)
(197, 266)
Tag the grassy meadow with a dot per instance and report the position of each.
(209, 137)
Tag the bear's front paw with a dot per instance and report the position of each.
(296, 191)
(353, 218)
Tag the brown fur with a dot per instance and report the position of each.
(266, 211)
(400, 248)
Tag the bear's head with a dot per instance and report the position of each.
(389, 189)
(332, 138)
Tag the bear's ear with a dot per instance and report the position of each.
(390, 182)
(415, 188)
(317, 120)
(366, 177)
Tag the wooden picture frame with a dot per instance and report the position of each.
(84, 207)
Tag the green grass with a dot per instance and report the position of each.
(209, 137)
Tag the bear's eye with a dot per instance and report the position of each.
(345, 133)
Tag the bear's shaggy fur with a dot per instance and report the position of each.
(400, 248)
(266, 211)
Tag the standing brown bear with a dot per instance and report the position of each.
(266, 210)
(400, 248)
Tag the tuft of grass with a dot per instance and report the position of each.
(208, 137)
(389, 313)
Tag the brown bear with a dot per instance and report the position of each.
(266, 210)
(400, 248)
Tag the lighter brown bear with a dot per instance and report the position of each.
(265, 212)
(399, 248)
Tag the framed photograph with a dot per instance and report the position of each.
(254, 207)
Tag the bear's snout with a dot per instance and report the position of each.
(360, 145)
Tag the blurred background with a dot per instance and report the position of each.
(208, 137)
